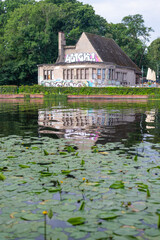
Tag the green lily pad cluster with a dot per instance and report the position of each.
(102, 194)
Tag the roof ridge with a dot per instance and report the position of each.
(110, 51)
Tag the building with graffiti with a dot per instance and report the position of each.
(94, 61)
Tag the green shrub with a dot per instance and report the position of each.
(12, 89)
(88, 90)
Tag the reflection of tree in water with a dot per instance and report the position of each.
(15, 119)
(152, 122)
(157, 127)
(19, 116)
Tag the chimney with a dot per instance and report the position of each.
(61, 44)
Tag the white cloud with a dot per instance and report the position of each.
(115, 10)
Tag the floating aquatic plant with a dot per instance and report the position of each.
(108, 191)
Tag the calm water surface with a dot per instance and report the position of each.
(86, 123)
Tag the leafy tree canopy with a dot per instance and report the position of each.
(131, 35)
(30, 38)
(29, 30)
(136, 28)
(154, 54)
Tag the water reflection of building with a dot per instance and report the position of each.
(85, 126)
(150, 118)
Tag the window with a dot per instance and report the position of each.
(121, 76)
(64, 74)
(94, 75)
(112, 74)
(109, 74)
(103, 74)
(99, 73)
(87, 73)
(72, 73)
(68, 74)
(124, 76)
(52, 75)
(45, 75)
(48, 75)
(78, 74)
(82, 73)
(116, 75)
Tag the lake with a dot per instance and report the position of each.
(94, 121)
(93, 165)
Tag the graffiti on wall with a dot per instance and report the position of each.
(71, 83)
(64, 83)
(81, 57)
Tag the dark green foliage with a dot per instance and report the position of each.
(29, 30)
(29, 40)
(8, 89)
(135, 158)
(2, 177)
(50, 214)
(49, 91)
(154, 55)
(82, 206)
(131, 35)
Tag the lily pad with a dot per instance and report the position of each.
(117, 185)
(31, 217)
(126, 231)
(76, 221)
(107, 216)
(2, 177)
(152, 232)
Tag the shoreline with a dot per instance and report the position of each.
(21, 96)
(31, 96)
(110, 97)
(107, 96)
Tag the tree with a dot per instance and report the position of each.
(10, 5)
(30, 38)
(154, 54)
(78, 18)
(131, 35)
(138, 35)
(58, 2)
(136, 28)
(30, 33)
(29, 30)
(117, 32)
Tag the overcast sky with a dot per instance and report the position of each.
(114, 10)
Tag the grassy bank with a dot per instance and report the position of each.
(36, 89)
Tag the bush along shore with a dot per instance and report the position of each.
(37, 89)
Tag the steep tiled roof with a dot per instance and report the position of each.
(110, 52)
